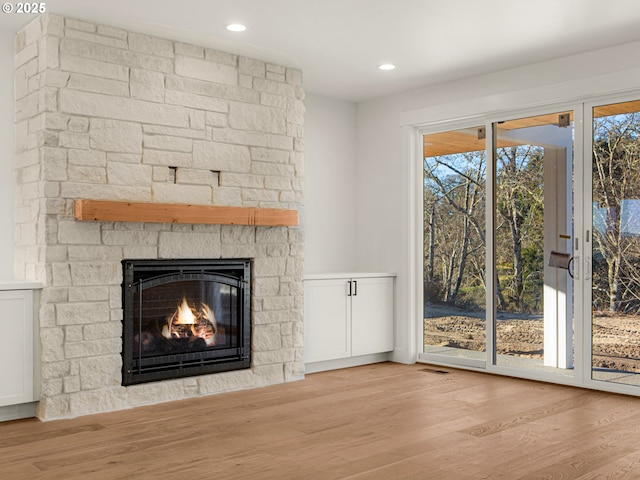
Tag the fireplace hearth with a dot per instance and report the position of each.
(185, 318)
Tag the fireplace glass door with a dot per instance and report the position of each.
(184, 318)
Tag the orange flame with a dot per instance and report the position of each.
(185, 315)
(188, 322)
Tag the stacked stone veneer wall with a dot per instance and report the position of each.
(103, 113)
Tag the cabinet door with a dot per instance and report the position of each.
(16, 347)
(372, 316)
(327, 331)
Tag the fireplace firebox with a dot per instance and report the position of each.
(184, 318)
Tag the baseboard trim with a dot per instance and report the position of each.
(316, 367)
(17, 412)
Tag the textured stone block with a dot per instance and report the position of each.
(214, 119)
(174, 132)
(269, 374)
(274, 87)
(216, 90)
(175, 193)
(272, 169)
(80, 26)
(278, 303)
(72, 232)
(227, 196)
(101, 331)
(129, 174)
(188, 244)
(82, 313)
(278, 77)
(105, 192)
(257, 118)
(277, 183)
(169, 159)
(88, 175)
(88, 294)
(189, 50)
(194, 177)
(270, 267)
(87, 349)
(95, 38)
(96, 274)
(170, 143)
(293, 76)
(115, 136)
(221, 157)
(234, 234)
(146, 85)
(224, 382)
(206, 70)
(221, 57)
(97, 401)
(195, 101)
(245, 180)
(105, 53)
(151, 393)
(150, 45)
(106, 106)
(250, 195)
(250, 66)
(71, 384)
(94, 253)
(98, 85)
(77, 124)
(112, 32)
(98, 372)
(25, 55)
(49, 55)
(277, 101)
(87, 158)
(253, 139)
(95, 68)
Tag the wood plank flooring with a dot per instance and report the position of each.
(384, 421)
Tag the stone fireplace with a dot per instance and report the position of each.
(107, 114)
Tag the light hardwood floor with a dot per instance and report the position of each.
(384, 421)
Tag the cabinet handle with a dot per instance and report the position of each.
(349, 283)
(355, 289)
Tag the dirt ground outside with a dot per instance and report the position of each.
(616, 338)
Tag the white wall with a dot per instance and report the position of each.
(330, 211)
(7, 107)
(386, 194)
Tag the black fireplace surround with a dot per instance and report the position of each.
(185, 318)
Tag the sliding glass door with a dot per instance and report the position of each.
(531, 245)
(454, 246)
(615, 244)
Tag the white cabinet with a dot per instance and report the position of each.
(347, 316)
(17, 347)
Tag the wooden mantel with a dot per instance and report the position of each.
(112, 211)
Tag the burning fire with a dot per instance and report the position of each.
(189, 322)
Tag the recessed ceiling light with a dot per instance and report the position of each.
(236, 27)
(387, 66)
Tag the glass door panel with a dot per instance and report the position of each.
(615, 264)
(533, 242)
(454, 184)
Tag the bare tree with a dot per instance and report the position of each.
(519, 203)
(616, 183)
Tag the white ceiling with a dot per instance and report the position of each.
(339, 43)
